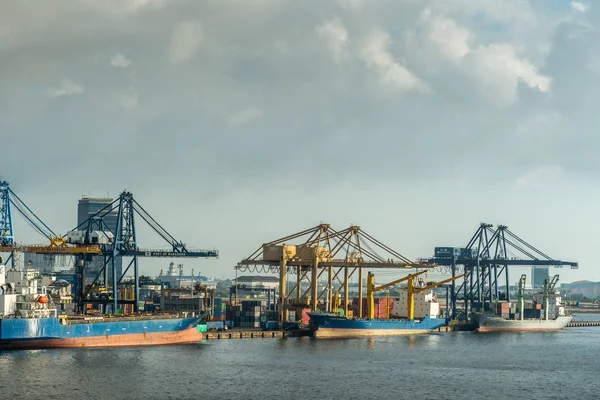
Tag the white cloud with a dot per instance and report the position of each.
(580, 7)
(451, 39)
(336, 36)
(375, 54)
(497, 66)
(499, 69)
(67, 88)
(244, 116)
(536, 178)
(129, 99)
(119, 61)
(185, 40)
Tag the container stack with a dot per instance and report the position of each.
(219, 310)
(503, 309)
(247, 315)
(384, 307)
(252, 310)
(232, 314)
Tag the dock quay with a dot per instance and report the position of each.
(255, 334)
(582, 324)
(260, 334)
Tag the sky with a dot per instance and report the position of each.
(235, 123)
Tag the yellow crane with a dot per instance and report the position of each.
(412, 291)
(371, 289)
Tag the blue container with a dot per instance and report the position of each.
(445, 252)
(270, 325)
(214, 325)
(228, 324)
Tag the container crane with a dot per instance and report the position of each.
(486, 260)
(323, 251)
(123, 243)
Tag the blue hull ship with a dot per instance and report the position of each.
(39, 333)
(328, 325)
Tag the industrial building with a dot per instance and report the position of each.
(86, 208)
(176, 279)
(588, 289)
(255, 286)
(539, 276)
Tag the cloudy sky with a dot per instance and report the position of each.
(235, 123)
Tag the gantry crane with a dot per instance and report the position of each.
(485, 261)
(124, 244)
(323, 249)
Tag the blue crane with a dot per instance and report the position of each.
(123, 243)
(486, 260)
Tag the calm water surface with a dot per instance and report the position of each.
(534, 365)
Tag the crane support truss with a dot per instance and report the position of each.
(321, 250)
(485, 262)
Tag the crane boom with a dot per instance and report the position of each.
(411, 293)
(393, 283)
(436, 284)
(371, 289)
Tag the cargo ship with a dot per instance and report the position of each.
(400, 316)
(545, 313)
(497, 324)
(27, 321)
(330, 325)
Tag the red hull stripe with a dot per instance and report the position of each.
(190, 335)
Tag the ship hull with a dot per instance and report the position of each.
(43, 333)
(334, 326)
(496, 324)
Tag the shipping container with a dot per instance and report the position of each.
(445, 252)
(270, 325)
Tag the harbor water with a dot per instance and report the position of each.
(529, 365)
